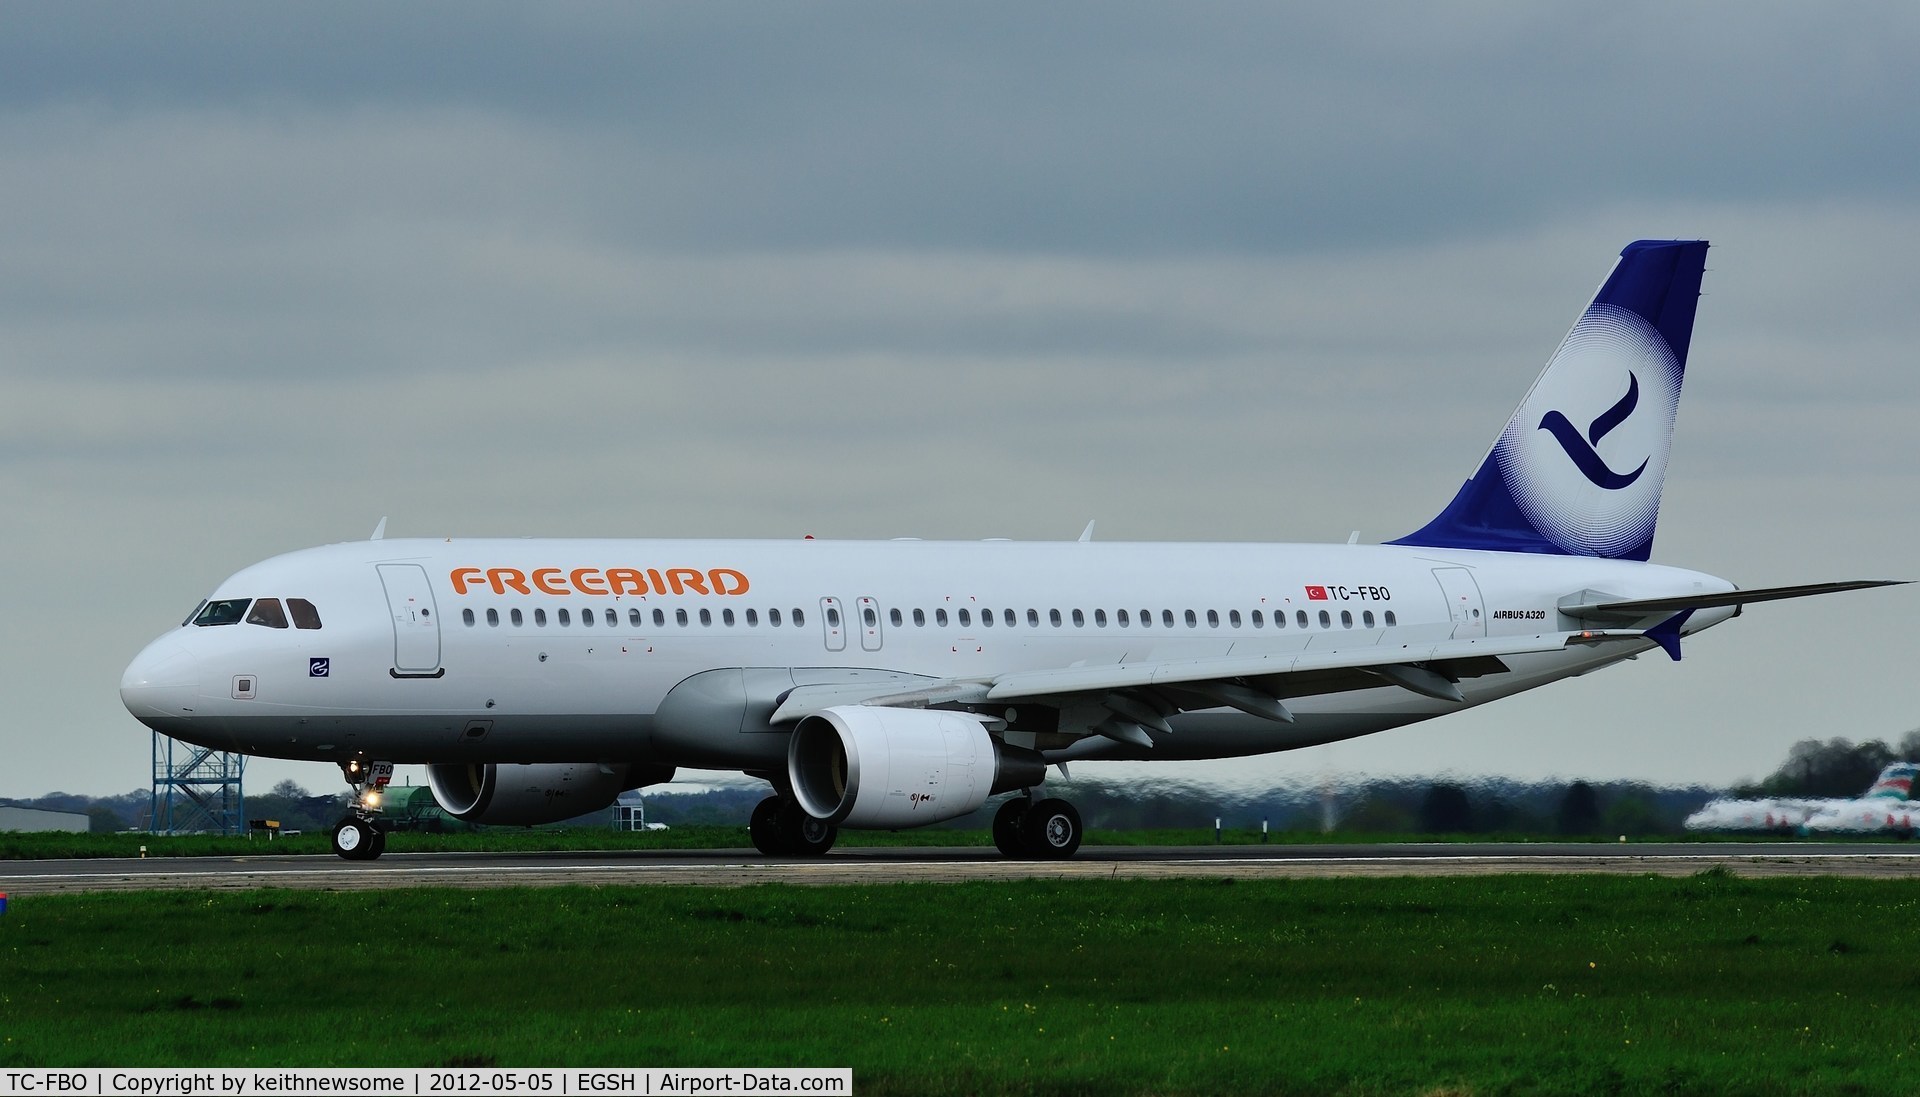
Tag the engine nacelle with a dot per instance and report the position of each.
(528, 795)
(863, 766)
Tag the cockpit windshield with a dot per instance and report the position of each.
(222, 611)
(267, 612)
(270, 612)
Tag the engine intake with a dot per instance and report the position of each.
(862, 766)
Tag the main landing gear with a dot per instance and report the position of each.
(359, 836)
(780, 828)
(1047, 830)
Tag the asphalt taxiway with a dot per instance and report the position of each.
(740, 867)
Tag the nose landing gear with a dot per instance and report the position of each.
(359, 836)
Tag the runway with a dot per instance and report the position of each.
(742, 867)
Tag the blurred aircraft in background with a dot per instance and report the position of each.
(1886, 807)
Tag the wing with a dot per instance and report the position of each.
(1136, 696)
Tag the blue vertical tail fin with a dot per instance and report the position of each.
(1579, 468)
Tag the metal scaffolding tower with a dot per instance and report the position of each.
(196, 790)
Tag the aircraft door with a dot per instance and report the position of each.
(869, 624)
(834, 623)
(1463, 602)
(416, 626)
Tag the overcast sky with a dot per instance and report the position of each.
(1200, 272)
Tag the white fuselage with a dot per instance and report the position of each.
(544, 650)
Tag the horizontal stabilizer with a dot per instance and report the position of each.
(1634, 609)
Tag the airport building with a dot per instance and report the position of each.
(35, 819)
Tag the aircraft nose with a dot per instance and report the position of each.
(161, 682)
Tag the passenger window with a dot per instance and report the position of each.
(920, 617)
(966, 618)
(493, 618)
(514, 616)
(726, 617)
(893, 615)
(1166, 617)
(227, 611)
(1213, 618)
(940, 617)
(1033, 617)
(1079, 619)
(659, 618)
(1121, 616)
(706, 618)
(613, 617)
(1100, 618)
(636, 620)
(1192, 621)
(1366, 618)
(1390, 621)
(868, 617)
(565, 619)
(833, 616)
(466, 617)
(1300, 617)
(267, 612)
(1053, 615)
(753, 618)
(1146, 618)
(680, 617)
(773, 618)
(1346, 618)
(586, 618)
(799, 618)
(1326, 619)
(304, 615)
(1233, 618)
(540, 617)
(1258, 620)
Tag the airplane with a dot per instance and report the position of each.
(1887, 806)
(895, 684)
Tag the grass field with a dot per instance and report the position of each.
(1418, 986)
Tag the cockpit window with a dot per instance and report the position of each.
(267, 611)
(224, 611)
(304, 615)
(194, 614)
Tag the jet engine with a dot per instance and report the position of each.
(528, 795)
(883, 768)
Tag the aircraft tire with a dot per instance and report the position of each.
(764, 827)
(1051, 829)
(379, 842)
(354, 839)
(1006, 828)
(801, 834)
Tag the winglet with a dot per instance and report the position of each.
(1087, 534)
(1667, 633)
(379, 531)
